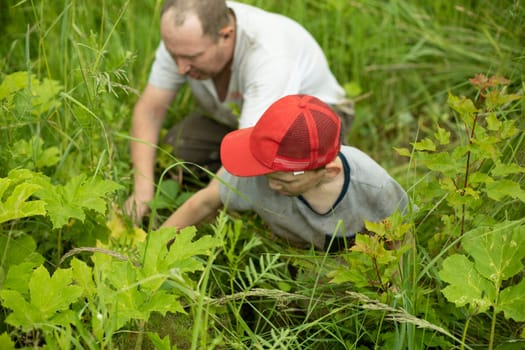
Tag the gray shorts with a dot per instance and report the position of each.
(197, 138)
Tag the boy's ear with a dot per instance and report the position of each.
(333, 169)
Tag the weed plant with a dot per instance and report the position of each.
(439, 95)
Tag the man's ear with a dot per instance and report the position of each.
(226, 32)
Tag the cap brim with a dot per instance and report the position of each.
(236, 156)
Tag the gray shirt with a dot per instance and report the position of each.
(369, 193)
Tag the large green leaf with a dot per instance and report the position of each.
(126, 292)
(180, 258)
(53, 293)
(497, 251)
(48, 295)
(71, 200)
(466, 285)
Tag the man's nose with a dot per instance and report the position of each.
(184, 66)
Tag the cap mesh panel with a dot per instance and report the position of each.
(296, 142)
(326, 130)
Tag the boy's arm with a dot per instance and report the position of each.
(198, 207)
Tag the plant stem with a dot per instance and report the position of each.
(492, 329)
(140, 336)
(493, 322)
(378, 273)
(464, 335)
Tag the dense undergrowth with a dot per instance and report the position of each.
(439, 91)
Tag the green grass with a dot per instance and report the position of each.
(401, 58)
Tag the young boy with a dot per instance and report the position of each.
(291, 169)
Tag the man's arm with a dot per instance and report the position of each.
(148, 116)
(198, 207)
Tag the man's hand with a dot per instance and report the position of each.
(136, 208)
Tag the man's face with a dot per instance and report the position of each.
(196, 55)
(288, 184)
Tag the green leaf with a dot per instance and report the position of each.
(32, 153)
(444, 163)
(182, 256)
(512, 302)
(478, 177)
(89, 193)
(58, 209)
(443, 136)
(501, 169)
(49, 157)
(403, 151)
(18, 277)
(12, 83)
(126, 289)
(184, 247)
(424, 145)
(493, 123)
(168, 191)
(6, 343)
(465, 107)
(19, 250)
(158, 342)
(356, 271)
(508, 129)
(79, 194)
(485, 146)
(495, 98)
(17, 205)
(162, 302)
(466, 285)
(128, 303)
(497, 190)
(83, 276)
(24, 314)
(44, 96)
(353, 89)
(497, 251)
(52, 294)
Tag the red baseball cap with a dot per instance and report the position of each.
(296, 133)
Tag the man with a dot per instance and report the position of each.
(291, 169)
(237, 60)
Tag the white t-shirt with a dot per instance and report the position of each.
(369, 193)
(274, 56)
